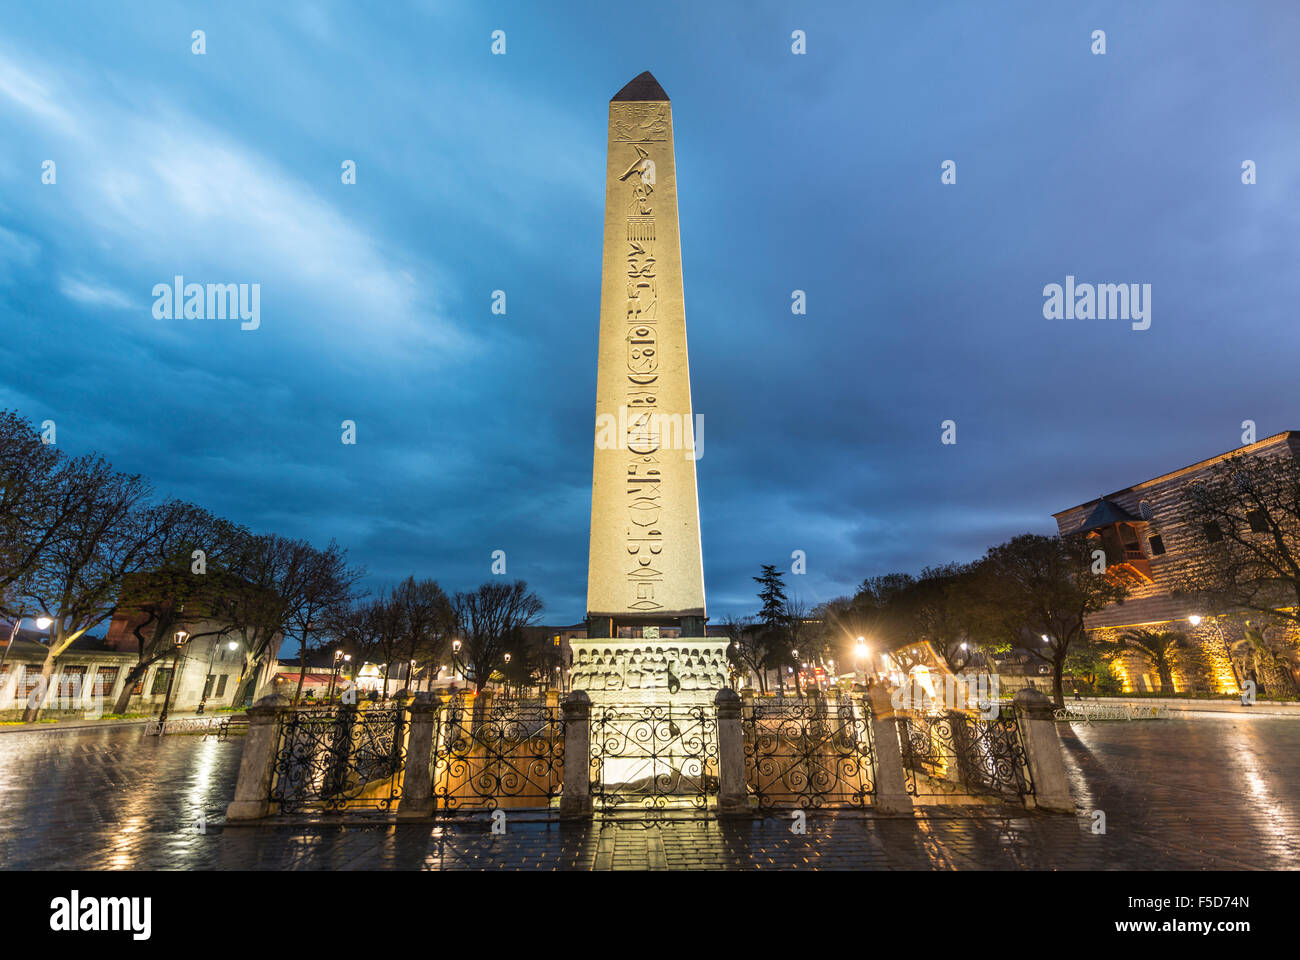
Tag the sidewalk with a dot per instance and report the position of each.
(61, 726)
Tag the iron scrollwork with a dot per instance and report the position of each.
(809, 754)
(339, 758)
(653, 760)
(510, 754)
(955, 753)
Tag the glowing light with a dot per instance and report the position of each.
(43, 622)
(232, 645)
(1195, 619)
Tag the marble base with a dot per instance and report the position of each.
(680, 670)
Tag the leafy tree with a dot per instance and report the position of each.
(1036, 592)
(1156, 647)
(1270, 659)
(1092, 665)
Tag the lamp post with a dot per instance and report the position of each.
(859, 659)
(41, 624)
(181, 638)
(334, 675)
(456, 666)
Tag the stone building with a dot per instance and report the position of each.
(1147, 530)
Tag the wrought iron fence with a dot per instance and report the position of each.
(331, 759)
(810, 754)
(653, 760)
(951, 754)
(508, 754)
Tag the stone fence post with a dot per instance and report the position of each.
(1043, 751)
(733, 794)
(257, 764)
(887, 733)
(575, 799)
(417, 769)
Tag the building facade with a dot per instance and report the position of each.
(1149, 531)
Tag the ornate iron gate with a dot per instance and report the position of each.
(809, 753)
(336, 758)
(954, 753)
(510, 754)
(653, 760)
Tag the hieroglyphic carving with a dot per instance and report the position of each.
(640, 122)
(644, 489)
(646, 666)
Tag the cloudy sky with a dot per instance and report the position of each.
(818, 172)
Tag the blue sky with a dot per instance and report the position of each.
(818, 172)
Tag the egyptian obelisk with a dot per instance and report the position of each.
(645, 581)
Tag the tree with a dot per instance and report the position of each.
(1270, 660)
(1246, 555)
(1091, 663)
(36, 500)
(1036, 592)
(173, 595)
(314, 582)
(108, 533)
(1158, 648)
(489, 621)
(942, 608)
(745, 649)
(427, 622)
(775, 637)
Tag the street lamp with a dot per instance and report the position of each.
(177, 643)
(41, 624)
(334, 675)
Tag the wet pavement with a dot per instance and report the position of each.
(1202, 793)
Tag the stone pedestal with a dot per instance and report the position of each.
(886, 734)
(686, 671)
(417, 776)
(257, 765)
(1035, 713)
(575, 798)
(733, 793)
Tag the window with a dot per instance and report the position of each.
(105, 679)
(1212, 532)
(160, 678)
(221, 684)
(71, 681)
(28, 682)
(1258, 521)
(1157, 545)
(139, 687)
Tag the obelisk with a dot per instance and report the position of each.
(645, 580)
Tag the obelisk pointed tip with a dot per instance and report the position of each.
(643, 87)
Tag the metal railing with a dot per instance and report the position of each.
(953, 754)
(509, 754)
(653, 760)
(330, 759)
(808, 754)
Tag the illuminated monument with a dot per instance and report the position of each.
(645, 581)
